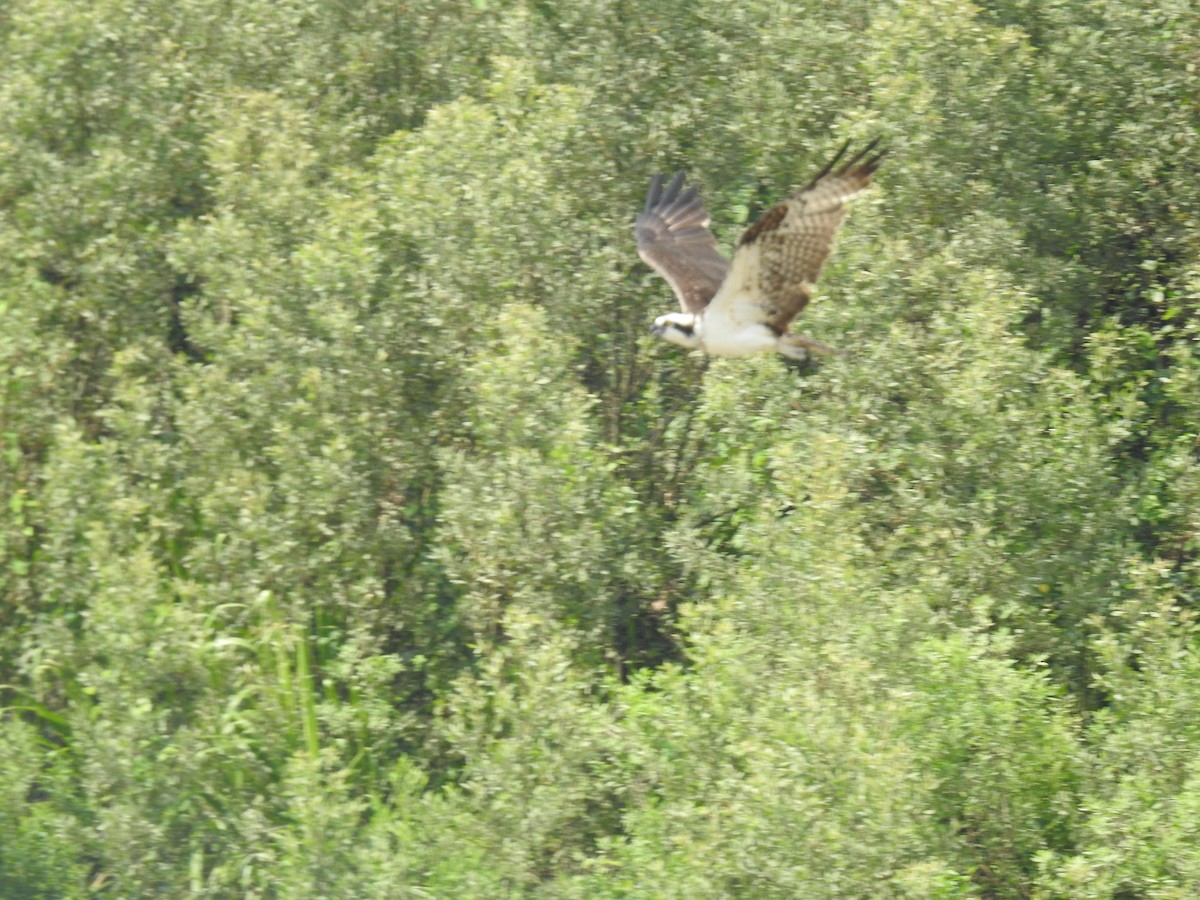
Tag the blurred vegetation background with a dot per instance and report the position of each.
(357, 540)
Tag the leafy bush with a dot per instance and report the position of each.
(356, 540)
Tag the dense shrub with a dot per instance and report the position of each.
(356, 540)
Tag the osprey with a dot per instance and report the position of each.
(746, 307)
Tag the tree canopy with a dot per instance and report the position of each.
(357, 540)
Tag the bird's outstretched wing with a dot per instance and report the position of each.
(779, 257)
(673, 237)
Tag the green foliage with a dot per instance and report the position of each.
(356, 541)
(42, 846)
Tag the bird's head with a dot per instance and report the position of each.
(678, 328)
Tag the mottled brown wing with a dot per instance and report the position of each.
(673, 237)
(793, 238)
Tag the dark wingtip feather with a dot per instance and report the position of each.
(678, 205)
(866, 164)
(829, 165)
(659, 201)
(654, 193)
(672, 191)
(859, 162)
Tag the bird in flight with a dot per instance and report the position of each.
(745, 307)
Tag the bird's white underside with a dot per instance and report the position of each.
(733, 324)
(709, 334)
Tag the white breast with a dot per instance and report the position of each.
(722, 335)
(732, 323)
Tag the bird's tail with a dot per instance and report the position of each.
(797, 346)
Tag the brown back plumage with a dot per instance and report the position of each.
(673, 237)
